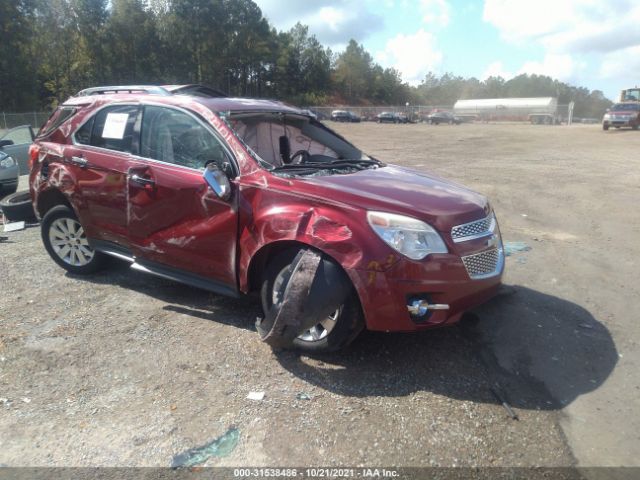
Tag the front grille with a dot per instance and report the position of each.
(478, 228)
(483, 264)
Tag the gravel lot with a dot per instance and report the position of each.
(120, 369)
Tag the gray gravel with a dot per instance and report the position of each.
(120, 369)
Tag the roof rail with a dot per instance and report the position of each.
(150, 89)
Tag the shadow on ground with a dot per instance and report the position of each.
(536, 350)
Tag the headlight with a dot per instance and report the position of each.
(7, 162)
(409, 236)
(606, 116)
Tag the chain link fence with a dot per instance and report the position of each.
(11, 120)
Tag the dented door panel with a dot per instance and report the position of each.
(175, 219)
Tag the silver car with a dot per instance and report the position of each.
(14, 157)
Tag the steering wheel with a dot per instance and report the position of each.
(303, 154)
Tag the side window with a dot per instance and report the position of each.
(172, 136)
(83, 135)
(112, 128)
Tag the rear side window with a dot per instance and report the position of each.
(57, 118)
(111, 128)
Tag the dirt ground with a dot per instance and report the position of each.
(121, 369)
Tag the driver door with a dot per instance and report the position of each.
(175, 220)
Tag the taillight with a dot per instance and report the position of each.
(34, 151)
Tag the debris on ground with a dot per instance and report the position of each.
(504, 403)
(14, 227)
(515, 247)
(255, 396)
(220, 447)
(303, 396)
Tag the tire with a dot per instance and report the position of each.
(4, 191)
(345, 327)
(18, 207)
(66, 243)
(605, 127)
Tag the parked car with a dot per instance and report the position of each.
(437, 118)
(402, 117)
(344, 116)
(237, 196)
(14, 154)
(387, 117)
(622, 115)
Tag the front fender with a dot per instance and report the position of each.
(272, 220)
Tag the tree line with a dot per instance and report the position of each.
(50, 49)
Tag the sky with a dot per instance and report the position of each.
(588, 43)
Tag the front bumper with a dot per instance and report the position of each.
(620, 121)
(441, 279)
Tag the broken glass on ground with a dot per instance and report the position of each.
(220, 447)
(515, 247)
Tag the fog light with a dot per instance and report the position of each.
(420, 307)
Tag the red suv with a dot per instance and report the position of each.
(240, 196)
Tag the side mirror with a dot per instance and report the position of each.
(217, 180)
(5, 143)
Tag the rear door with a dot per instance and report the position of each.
(175, 219)
(99, 160)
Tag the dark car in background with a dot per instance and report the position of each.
(388, 117)
(622, 115)
(344, 116)
(436, 118)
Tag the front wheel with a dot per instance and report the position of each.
(605, 127)
(67, 244)
(333, 333)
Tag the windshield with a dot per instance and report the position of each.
(296, 144)
(626, 106)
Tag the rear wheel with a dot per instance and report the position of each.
(67, 244)
(334, 332)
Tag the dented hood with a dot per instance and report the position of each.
(395, 189)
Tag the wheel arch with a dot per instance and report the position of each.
(50, 198)
(266, 253)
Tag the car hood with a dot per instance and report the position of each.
(623, 112)
(395, 189)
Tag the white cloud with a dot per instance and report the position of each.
(436, 12)
(413, 55)
(561, 66)
(496, 69)
(334, 22)
(625, 60)
(567, 25)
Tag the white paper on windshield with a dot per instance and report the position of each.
(115, 125)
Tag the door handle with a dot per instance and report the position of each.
(81, 162)
(142, 180)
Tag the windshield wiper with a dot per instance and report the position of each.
(353, 161)
(333, 165)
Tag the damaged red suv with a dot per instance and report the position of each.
(240, 196)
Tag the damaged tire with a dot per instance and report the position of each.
(66, 242)
(333, 332)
